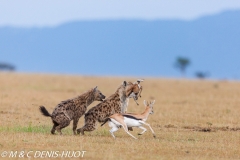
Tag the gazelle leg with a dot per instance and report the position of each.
(149, 127)
(131, 135)
(116, 123)
(126, 130)
(114, 129)
(144, 130)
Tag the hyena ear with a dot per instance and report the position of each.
(124, 83)
(95, 88)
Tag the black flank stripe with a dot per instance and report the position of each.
(132, 117)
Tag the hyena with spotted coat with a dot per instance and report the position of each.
(72, 109)
(116, 103)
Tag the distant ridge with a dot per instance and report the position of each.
(128, 47)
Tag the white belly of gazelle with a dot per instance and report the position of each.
(132, 122)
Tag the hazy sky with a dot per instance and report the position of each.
(54, 12)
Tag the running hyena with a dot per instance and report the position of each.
(116, 103)
(72, 109)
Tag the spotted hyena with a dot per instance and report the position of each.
(72, 109)
(116, 103)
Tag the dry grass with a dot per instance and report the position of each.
(192, 119)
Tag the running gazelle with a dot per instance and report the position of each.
(126, 120)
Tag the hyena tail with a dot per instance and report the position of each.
(105, 121)
(44, 111)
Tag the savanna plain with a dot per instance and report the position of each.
(193, 119)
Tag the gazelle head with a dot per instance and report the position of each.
(149, 105)
(134, 90)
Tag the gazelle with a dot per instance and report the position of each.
(126, 120)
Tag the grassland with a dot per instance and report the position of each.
(192, 119)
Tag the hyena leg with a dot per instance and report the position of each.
(55, 124)
(62, 125)
(87, 127)
(130, 128)
(75, 122)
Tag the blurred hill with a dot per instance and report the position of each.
(127, 47)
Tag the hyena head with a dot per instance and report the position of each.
(98, 96)
(133, 90)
